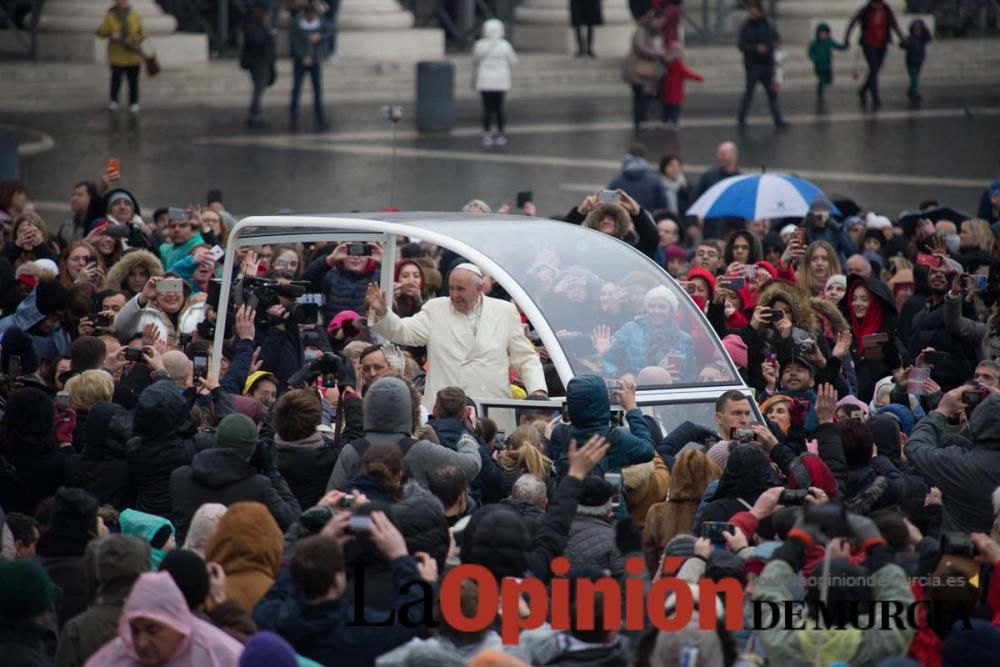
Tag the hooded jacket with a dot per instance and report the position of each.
(101, 469)
(645, 238)
(821, 51)
(748, 474)
(894, 353)
(156, 596)
(641, 183)
(589, 411)
(223, 476)
(113, 564)
(966, 477)
(145, 527)
(164, 440)
(389, 419)
(247, 544)
(119, 271)
(493, 56)
(52, 345)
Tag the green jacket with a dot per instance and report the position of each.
(858, 648)
(821, 50)
(170, 254)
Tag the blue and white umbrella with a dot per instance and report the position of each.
(757, 197)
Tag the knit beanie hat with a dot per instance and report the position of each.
(203, 526)
(237, 432)
(51, 296)
(596, 497)
(30, 411)
(674, 251)
(25, 589)
(388, 407)
(497, 538)
(74, 515)
(16, 343)
(266, 649)
(820, 203)
(737, 350)
(190, 573)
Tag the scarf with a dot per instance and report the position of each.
(672, 188)
(314, 441)
(872, 321)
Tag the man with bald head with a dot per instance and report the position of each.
(728, 157)
(472, 340)
(858, 265)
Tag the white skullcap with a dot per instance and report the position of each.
(471, 268)
(660, 292)
(874, 221)
(47, 265)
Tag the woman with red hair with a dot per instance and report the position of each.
(870, 308)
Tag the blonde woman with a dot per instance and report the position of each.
(523, 456)
(85, 390)
(820, 262)
(976, 238)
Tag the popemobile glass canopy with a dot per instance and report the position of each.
(598, 305)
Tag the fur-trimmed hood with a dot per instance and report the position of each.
(802, 311)
(616, 211)
(831, 313)
(120, 270)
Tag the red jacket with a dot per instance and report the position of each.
(672, 88)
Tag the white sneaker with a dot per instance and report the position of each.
(487, 140)
(112, 106)
(500, 140)
(134, 108)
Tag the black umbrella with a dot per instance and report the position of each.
(847, 206)
(933, 214)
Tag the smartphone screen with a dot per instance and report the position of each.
(609, 197)
(170, 285)
(200, 365)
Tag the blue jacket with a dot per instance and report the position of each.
(589, 410)
(328, 634)
(52, 345)
(628, 349)
(641, 183)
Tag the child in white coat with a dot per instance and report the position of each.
(493, 57)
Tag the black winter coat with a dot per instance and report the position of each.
(165, 439)
(63, 561)
(22, 644)
(307, 471)
(758, 32)
(34, 475)
(223, 476)
(927, 330)
(861, 479)
(101, 469)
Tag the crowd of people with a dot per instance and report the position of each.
(304, 501)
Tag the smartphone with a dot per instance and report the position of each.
(676, 361)
(971, 281)
(743, 434)
(357, 250)
(117, 231)
(731, 282)
(216, 253)
(200, 360)
(346, 502)
(114, 164)
(613, 387)
(937, 358)
(100, 320)
(690, 287)
(177, 213)
(170, 286)
(361, 524)
(713, 530)
(134, 354)
(90, 259)
(62, 398)
(500, 439)
(615, 480)
(800, 235)
(609, 196)
(524, 197)
(933, 261)
(14, 366)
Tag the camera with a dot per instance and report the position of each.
(358, 250)
(805, 346)
(101, 320)
(346, 502)
(958, 544)
(774, 315)
(392, 112)
(830, 518)
(263, 293)
(134, 354)
(361, 524)
(793, 497)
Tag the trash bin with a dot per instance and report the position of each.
(435, 96)
(8, 156)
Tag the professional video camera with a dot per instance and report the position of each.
(263, 293)
(335, 370)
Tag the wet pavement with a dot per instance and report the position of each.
(560, 149)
